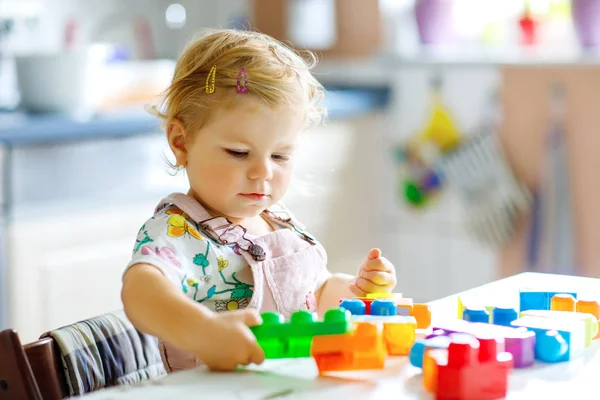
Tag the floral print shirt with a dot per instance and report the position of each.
(208, 272)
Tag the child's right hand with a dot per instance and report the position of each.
(229, 342)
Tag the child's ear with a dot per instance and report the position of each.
(176, 134)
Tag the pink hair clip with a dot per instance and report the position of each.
(242, 88)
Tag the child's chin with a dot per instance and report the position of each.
(249, 211)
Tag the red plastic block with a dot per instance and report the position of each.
(473, 371)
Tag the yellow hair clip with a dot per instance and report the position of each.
(242, 87)
(210, 80)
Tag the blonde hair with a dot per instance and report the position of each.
(277, 75)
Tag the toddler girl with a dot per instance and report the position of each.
(208, 262)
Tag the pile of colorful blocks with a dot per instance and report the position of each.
(471, 357)
(467, 357)
(357, 336)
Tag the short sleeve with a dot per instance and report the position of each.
(171, 243)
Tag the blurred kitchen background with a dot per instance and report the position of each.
(461, 139)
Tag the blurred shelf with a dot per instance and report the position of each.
(17, 128)
(476, 56)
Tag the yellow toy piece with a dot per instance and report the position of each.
(441, 129)
(394, 296)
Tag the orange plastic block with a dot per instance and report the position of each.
(563, 302)
(431, 359)
(398, 331)
(363, 348)
(590, 307)
(422, 314)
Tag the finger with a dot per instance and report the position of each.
(257, 356)
(379, 277)
(380, 264)
(356, 290)
(374, 254)
(251, 317)
(370, 287)
(221, 367)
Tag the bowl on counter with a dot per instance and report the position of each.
(61, 82)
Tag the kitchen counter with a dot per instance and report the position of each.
(18, 128)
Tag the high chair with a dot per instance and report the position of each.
(28, 371)
(77, 359)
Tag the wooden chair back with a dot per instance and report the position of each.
(30, 372)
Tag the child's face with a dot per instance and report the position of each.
(241, 161)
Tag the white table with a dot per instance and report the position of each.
(298, 378)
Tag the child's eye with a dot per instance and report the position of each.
(280, 157)
(237, 153)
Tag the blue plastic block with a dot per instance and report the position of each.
(537, 300)
(550, 346)
(355, 306)
(417, 351)
(504, 316)
(476, 315)
(555, 340)
(384, 307)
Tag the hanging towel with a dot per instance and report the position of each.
(106, 351)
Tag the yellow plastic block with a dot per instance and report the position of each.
(461, 308)
(374, 296)
(398, 331)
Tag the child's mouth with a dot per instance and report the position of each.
(255, 196)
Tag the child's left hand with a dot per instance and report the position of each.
(375, 275)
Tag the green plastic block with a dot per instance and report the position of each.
(303, 324)
(286, 348)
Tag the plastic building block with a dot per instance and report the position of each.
(355, 306)
(366, 301)
(520, 342)
(293, 339)
(563, 302)
(384, 307)
(430, 367)
(421, 346)
(394, 296)
(549, 345)
(591, 323)
(461, 308)
(398, 331)
(363, 348)
(303, 323)
(422, 313)
(404, 307)
(590, 307)
(537, 300)
(462, 305)
(504, 316)
(435, 356)
(473, 371)
(476, 315)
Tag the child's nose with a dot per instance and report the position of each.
(261, 169)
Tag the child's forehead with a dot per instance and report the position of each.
(241, 122)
